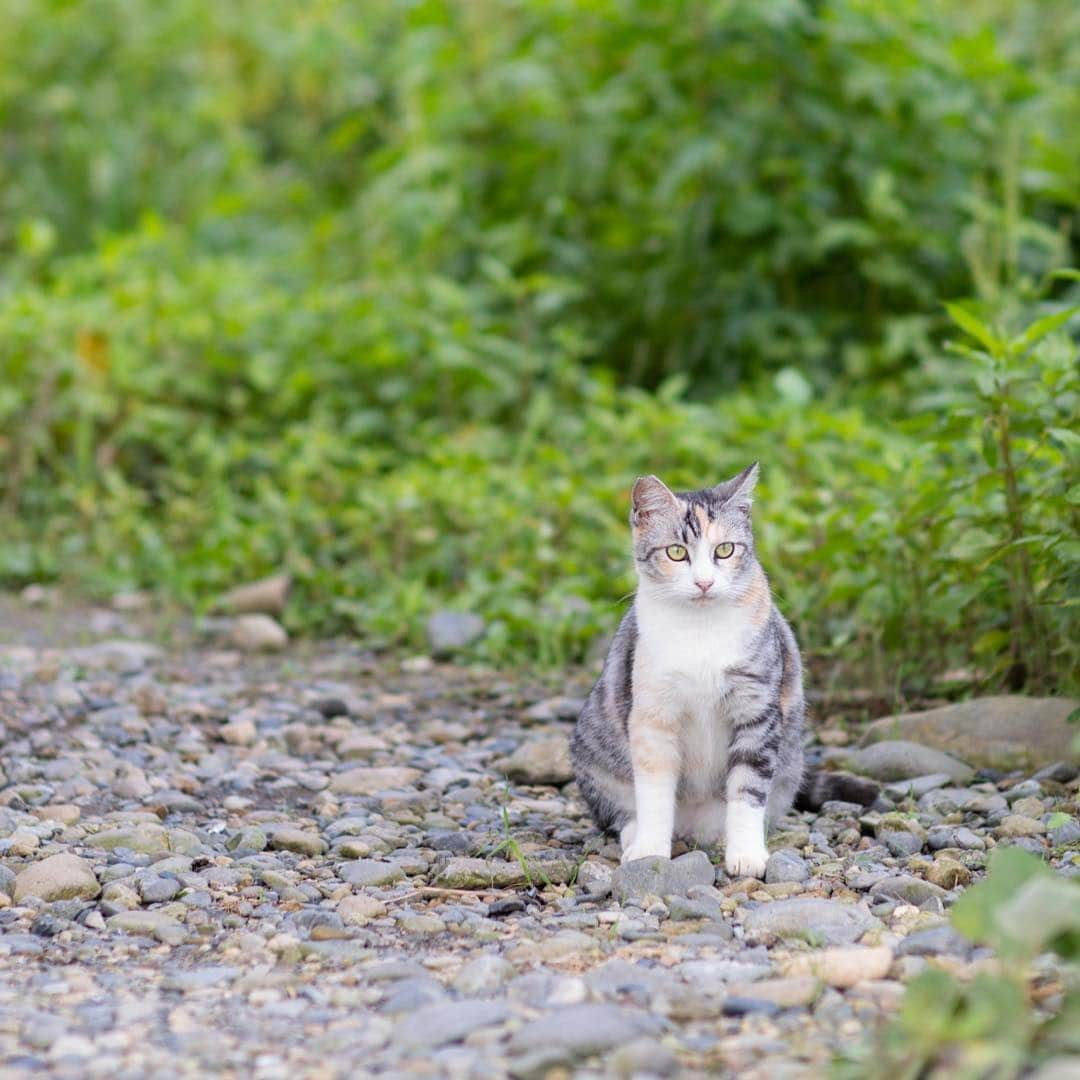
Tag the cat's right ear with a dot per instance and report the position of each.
(650, 497)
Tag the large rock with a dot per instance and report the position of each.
(541, 761)
(657, 876)
(1007, 732)
(826, 921)
(60, 877)
(451, 631)
(898, 759)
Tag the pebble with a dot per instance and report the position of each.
(541, 761)
(59, 877)
(285, 838)
(843, 967)
(372, 781)
(1018, 825)
(437, 1025)
(829, 922)
(662, 877)
(786, 865)
(257, 633)
(569, 1034)
(151, 923)
(369, 872)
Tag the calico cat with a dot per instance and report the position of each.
(695, 725)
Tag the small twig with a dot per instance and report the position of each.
(435, 891)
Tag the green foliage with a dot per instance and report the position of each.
(987, 1027)
(695, 187)
(401, 297)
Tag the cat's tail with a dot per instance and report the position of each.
(819, 787)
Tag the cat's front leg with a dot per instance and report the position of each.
(654, 753)
(751, 765)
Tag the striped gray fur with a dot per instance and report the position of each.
(694, 727)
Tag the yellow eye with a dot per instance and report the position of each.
(676, 553)
(725, 550)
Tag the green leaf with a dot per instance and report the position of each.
(1043, 912)
(974, 327)
(1069, 439)
(1040, 329)
(975, 914)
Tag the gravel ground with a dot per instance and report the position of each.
(321, 864)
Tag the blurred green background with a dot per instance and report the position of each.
(400, 296)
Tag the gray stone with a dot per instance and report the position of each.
(451, 631)
(155, 924)
(437, 1025)
(644, 1057)
(954, 836)
(935, 941)
(786, 865)
(1007, 732)
(910, 889)
(249, 838)
(409, 995)
(1064, 834)
(144, 837)
(1063, 772)
(486, 974)
(896, 759)
(156, 890)
(541, 761)
(286, 838)
(829, 922)
(466, 873)
(368, 872)
(370, 781)
(662, 877)
(917, 786)
(900, 843)
(719, 972)
(683, 909)
(582, 1030)
(59, 877)
(7, 881)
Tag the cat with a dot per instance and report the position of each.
(695, 726)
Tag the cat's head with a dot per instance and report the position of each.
(695, 547)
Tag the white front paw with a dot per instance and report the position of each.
(645, 848)
(746, 860)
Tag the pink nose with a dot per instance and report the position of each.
(704, 586)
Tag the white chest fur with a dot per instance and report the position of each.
(681, 666)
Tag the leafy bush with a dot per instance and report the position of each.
(695, 188)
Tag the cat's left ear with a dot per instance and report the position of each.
(738, 492)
